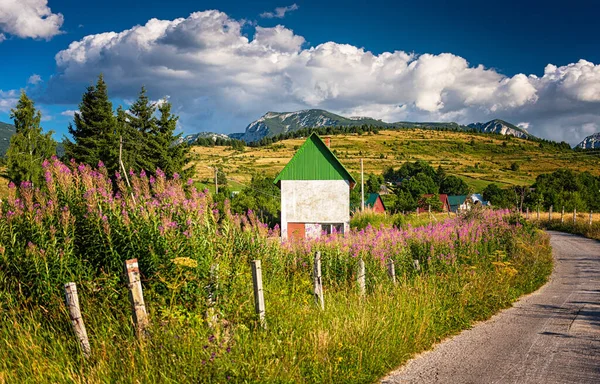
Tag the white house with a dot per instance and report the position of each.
(315, 192)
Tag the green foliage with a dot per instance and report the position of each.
(262, 197)
(95, 130)
(405, 201)
(373, 183)
(433, 202)
(148, 142)
(566, 188)
(499, 198)
(452, 185)
(515, 167)
(29, 146)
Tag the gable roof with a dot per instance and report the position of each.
(314, 161)
(457, 200)
(373, 199)
(442, 197)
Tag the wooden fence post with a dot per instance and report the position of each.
(538, 213)
(361, 277)
(574, 216)
(417, 211)
(416, 265)
(318, 282)
(259, 300)
(527, 213)
(591, 217)
(136, 296)
(213, 287)
(550, 214)
(72, 301)
(392, 270)
(562, 215)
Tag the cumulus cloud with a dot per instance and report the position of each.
(34, 79)
(220, 80)
(279, 12)
(2, 37)
(29, 18)
(8, 100)
(69, 113)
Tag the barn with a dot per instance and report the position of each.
(315, 192)
(375, 203)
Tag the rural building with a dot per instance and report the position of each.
(443, 199)
(315, 192)
(375, 203)
(459, 203)
(464, 202)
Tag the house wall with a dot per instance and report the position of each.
(378, 206)
(314, 201)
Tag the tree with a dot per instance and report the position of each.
(29, 146)
(405, 201)
(452, 185)
(94, 129)
(499, 198)
(373, 183)
(262, 197)
(419, 185)
(440, 175)
(172, 154)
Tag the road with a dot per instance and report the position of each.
(550, 336)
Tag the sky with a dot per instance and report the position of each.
(223, 64)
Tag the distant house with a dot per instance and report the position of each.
(375, 203)
(476, 198)
(443, 199)
(464, 202)
(459, 203)
(315, 192)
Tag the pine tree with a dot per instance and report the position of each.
(172, 153)
(139, 132)
(94, 133)
(29, 146)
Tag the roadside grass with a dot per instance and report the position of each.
(580, 227)
(353, 341)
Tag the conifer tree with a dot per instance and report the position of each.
(140, 131)
(29, 146)
(94, 133)
(172, 153)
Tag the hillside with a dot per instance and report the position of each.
(6, 131)
(480, 159)
(590, 142)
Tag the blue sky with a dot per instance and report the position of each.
(221, 83)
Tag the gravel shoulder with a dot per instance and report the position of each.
(550, 336)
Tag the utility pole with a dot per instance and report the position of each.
(123, 167)
(362, 187)
(216, 182)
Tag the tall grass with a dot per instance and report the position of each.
(80, 227)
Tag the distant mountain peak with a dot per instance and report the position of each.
(590, 142)
(501, 127)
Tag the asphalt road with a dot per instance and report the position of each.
(550, 336)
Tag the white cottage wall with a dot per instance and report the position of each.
(314, 201)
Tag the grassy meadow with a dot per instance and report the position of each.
(195, 260)
(479, 159)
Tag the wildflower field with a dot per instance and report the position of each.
(81, 226)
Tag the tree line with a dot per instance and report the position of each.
(142, 137)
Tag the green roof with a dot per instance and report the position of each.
(314, 161)
(457, 200)
(372, 200)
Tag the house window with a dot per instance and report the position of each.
(330, 228)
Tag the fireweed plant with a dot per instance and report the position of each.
(81, 225)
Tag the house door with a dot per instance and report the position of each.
(296, 231)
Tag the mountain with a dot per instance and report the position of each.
(590, 142)
(6, 131)
(500, 127)
(191, 139)
(274, 123)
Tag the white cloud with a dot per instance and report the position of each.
(69, 113)
(279, 12)
(34, 79)
(8, 100)
(29, 18)
(2, 37)
(219, 80)
(523, 125)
